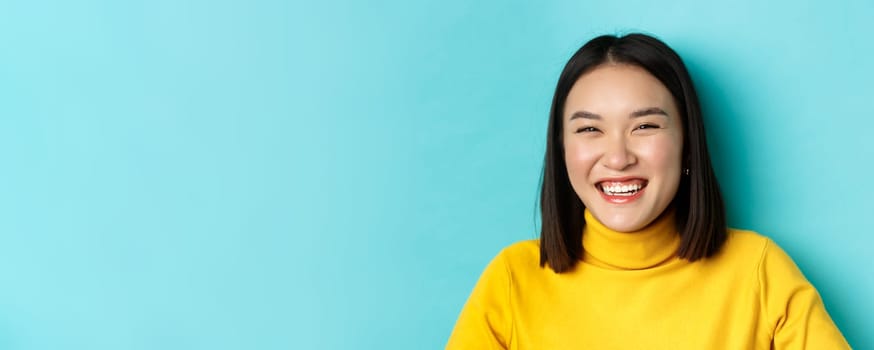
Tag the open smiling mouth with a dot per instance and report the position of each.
(621, 191)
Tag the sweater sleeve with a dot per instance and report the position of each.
(485, 321)
(794, 311)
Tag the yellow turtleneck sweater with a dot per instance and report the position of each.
(630, 291)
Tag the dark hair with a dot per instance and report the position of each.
(700, 211)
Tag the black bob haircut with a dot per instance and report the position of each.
(700, 211)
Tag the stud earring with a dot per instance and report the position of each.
(686, 171)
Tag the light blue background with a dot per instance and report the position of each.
(335, 175)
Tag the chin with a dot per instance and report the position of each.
(621, 221)
(624, 226)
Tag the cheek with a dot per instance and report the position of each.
(579, 159)
(663, 154)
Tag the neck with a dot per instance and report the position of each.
(648, 247)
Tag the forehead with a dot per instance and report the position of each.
(617, 89)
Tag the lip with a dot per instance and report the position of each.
(621, 199)
(621, 179)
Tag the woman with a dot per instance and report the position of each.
(634, 252)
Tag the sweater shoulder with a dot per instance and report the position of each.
(522, 251)
(746, 242)
(743, 251)
(521, 256)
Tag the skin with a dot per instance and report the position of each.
(621, 122)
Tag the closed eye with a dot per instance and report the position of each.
(647, 126)
(587, 129)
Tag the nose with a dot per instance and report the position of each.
(617, 154)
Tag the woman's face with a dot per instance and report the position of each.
(623, 143)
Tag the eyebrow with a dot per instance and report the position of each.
(636, 114)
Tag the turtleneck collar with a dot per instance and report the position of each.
(649, 247)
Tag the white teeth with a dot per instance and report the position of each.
(621, 190)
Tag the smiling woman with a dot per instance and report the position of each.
(632, 145)
(634, 252)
